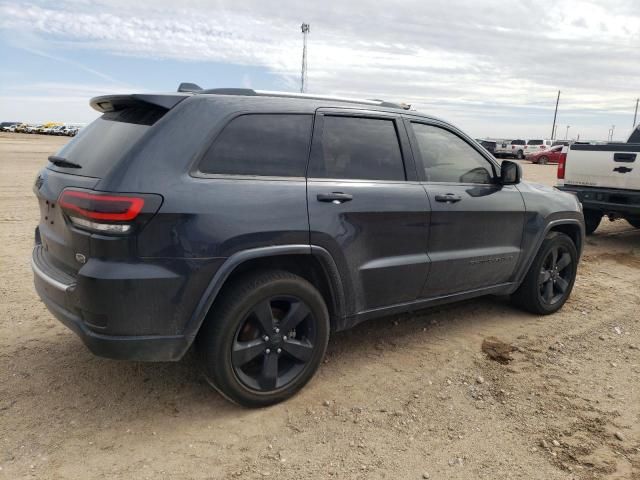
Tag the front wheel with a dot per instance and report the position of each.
(543, 160)
(592, 220)
(549, 281)
(634, 221)
(264, 338)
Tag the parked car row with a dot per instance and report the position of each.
(521, 148)
(541, 151)
(44, 129)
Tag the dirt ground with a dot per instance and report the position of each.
(398, 398)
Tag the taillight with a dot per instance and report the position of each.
(562, 162)
(106, 212)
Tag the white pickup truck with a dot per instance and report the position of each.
(606, 179)
(510, 148)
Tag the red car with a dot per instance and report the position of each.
(543, 157)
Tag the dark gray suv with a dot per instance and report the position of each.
(252, 224)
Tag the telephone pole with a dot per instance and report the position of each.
(635, 114)
(553, 128)
(303, 75)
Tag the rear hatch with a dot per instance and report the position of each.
(613, 165)
(82, 163)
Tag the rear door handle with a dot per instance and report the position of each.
(448, 198)
(334, 197)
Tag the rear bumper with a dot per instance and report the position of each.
(152, 348)
(606, 200)
(132, 311)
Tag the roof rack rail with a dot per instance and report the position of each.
(268, 93)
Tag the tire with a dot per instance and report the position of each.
(550, 279)
(241, 346)
(592, 220)
(543, 160)
(634, 221)
(520, 155)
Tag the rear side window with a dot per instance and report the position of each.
(106, 140)
(274, 145)
(358, 148)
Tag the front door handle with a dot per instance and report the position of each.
(448, 198)
(334, 197)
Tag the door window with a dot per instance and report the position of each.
(448, 158)
(358, 148)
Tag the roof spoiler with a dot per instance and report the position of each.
(111, 103)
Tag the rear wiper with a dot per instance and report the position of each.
(63, 162)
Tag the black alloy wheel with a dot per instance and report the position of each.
(555, 275)
(273, 343)
(550, 279)
(264, 338)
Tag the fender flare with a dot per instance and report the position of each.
(534, 251)
(231, 263)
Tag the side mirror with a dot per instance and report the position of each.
(510, 173)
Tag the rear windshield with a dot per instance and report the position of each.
(535, 142)
(517, 142)
(106, 140)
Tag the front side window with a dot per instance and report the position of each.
(448, 158)
(274, 145)
(358, 148)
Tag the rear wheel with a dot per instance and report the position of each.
(543, 160)
(634, 221)
(592, 220)
(520, 155)
(550, 279)
(264, 338)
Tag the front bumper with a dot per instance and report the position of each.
(606, 200)
(122, 318)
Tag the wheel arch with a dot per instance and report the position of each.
(312, 263)
(573, 227)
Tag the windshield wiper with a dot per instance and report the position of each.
(63, 162)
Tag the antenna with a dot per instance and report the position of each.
(303, 75)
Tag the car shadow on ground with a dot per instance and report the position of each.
(73, 378)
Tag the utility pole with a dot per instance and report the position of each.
(566, 134)
(303, 75)
(553, 128)
(613, 129)
(636, 113)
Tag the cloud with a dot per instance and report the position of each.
(464, 58)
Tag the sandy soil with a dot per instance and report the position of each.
(405, 397)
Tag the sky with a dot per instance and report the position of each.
(492, 67)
